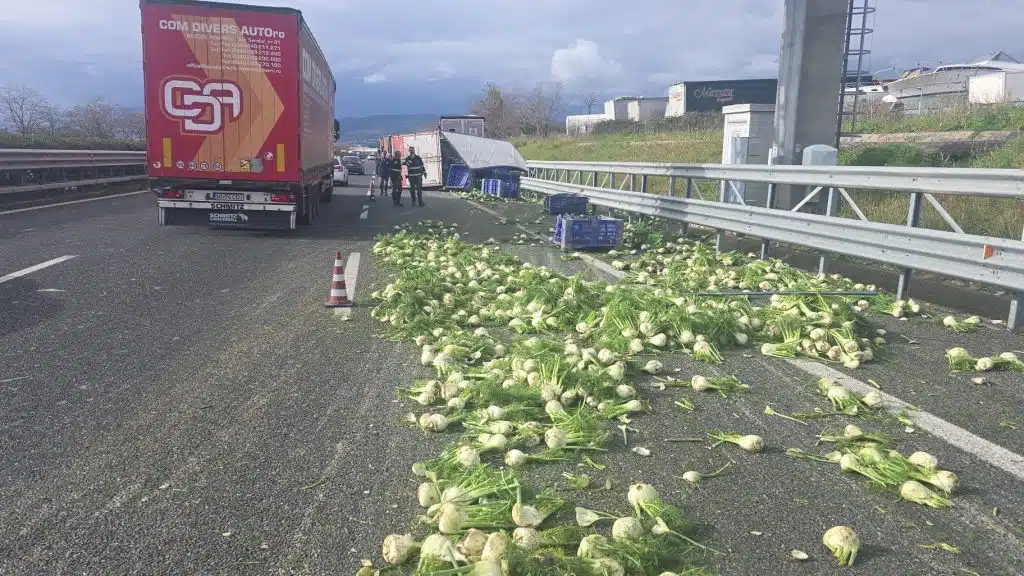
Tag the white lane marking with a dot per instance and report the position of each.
(976, 445)
(365, 213)
(50, 290)
(351, 275)
(950, 433)
(595, 262)
(35, 268)
(72, 202)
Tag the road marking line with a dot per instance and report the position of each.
(973, 444)
(365, 213)
(35, 268)
(594, 262)
(351, 275)
(72, 202)
(976, 445)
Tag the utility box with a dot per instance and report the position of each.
(747, 139)
(820, 155)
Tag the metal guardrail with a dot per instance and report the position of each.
(26, 175)
(15, 159)
(958, 181)
(70, 184)
(984, 259)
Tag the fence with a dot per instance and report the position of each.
(984, 259)
(31, 171)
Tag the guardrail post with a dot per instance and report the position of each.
(632, 182)
(768, 203)
(687, 193)
(830, 210)
(671, 185)
(594, 181)
(611, 180)
(913, 219)
(1016, 319)
(719, 236)
(643, 183)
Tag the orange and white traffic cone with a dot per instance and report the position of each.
(339, 295)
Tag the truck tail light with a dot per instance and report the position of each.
(283, 198)
(172, 193)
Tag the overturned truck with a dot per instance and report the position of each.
(455, 161)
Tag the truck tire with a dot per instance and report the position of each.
(328, 193)
(303, 208)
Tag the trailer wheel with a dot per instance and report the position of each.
(303, 208)
(328, 194)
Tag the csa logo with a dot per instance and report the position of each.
(201, 108)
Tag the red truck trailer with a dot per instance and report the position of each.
(240, 124)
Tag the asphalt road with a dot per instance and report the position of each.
(178, 400)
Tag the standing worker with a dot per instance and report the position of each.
(416, 171)
(381, 172)
(395, 171)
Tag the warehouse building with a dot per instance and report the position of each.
(580, 124)
(618, 108)
(712, 96)
(644, 109)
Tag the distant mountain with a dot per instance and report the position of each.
(368, 129)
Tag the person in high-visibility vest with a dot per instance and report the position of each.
(416, 171)
(395, 172)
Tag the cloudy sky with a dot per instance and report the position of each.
(433, 56)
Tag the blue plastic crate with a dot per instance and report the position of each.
(500, 188)
(566, 204)
(583, 232)
(491, 186)
(459, 177)
(510, 188)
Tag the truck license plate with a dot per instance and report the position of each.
(231, 197)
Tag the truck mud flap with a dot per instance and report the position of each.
(253, 220)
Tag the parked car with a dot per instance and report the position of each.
(354, 165)
(340, 172)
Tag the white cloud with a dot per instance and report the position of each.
(582, 62)
(375, 79)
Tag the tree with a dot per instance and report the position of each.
(499, 110)
(589, 100)
(554, 105)
(97, 119)
(542, 105)
(131, 125)
(52, 120)
(21, 108)
(511, 114)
